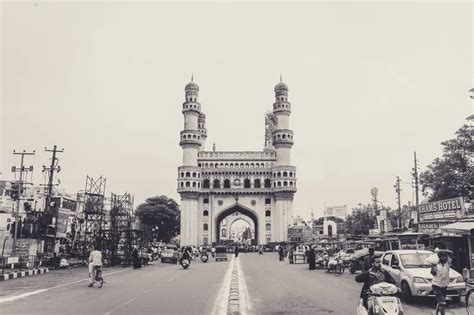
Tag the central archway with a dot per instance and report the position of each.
(233, 209)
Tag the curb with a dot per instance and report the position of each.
(233, 307)
(20, 274)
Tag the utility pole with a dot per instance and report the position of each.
(54, 167)
(20, 184)
(416, 184)
(398, 190)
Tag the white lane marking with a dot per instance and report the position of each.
(244, 298)
(130, 301)
(147, 291)
(24, 295)
(222, 300)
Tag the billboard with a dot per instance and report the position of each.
(448, 209)
(336, 211)
(61, 225)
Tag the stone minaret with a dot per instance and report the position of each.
(189, 174)
(284, 174)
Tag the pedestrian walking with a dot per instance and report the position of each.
(281, 253)
(311, 258)
(136, 258)
(440, 281)
(236, 251)
(290, 254)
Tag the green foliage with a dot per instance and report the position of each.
(161, 212)
(361, 220)
(452, 175)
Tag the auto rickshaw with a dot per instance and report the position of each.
(221, 252)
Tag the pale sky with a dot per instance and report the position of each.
(369, 84)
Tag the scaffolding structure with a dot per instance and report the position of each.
(93, 213)
(119, 242)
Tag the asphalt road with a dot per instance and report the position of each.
(267, 285)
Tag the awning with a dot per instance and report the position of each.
(459, 227)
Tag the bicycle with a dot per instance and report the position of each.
(98, 280)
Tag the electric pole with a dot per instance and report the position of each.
(18, 197)
(54, 167)
(398, 190)
(416, 184)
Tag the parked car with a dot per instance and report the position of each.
(411, 272)
(169, 255)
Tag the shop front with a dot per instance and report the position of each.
(464, 232)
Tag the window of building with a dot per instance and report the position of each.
(188, 184)
(246, 183)
(268, 201)
(206, 183)
(205, 227)
(268, 227)
(226, 183)
(188, 174)
(268, 183)
(205, 213)
(268, 213)
(216, 184)
(256, 183)
(205, 200)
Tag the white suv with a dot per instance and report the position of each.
(411, 272)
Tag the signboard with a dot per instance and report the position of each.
(63, 218)
(300, 234)
(336, 211)
(13, 260)
(431, 227)
(448, 209)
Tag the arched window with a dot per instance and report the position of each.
(268, 213)
(279, 184)
(182, 184)
(330, 230)
(226, 183)
(279, 174)
(268, 227)
(285, 183)
(182, 174)
(291, 184)
(257, 183)
(206, 183)
(291, 174)
(188, 174)
(205, 213)
(205, 227)
(246, 183)
(194, 174)
(285, 174)
(194, 184)
(268, 183)
(188, 184)
(216, 184)
(224, 233)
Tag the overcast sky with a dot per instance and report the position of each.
(369, 84)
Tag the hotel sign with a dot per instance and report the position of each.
(448, 209)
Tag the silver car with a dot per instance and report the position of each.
(411, 272)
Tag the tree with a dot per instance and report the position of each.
(452, 175)
(161, 212)
(361, 220)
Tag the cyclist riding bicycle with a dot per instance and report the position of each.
(95, 261)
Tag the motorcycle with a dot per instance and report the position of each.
(204, 258)
(382, 301)
(337, 265)
(185, 263)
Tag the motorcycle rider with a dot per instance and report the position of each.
(204, 253)
(186, 254)
(373, 276)
(368, 260)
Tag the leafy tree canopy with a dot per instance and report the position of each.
(161, 212)
(451, 175)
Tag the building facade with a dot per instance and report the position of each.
(214, 185)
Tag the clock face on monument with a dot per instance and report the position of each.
(237, 182)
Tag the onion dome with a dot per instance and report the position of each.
(191, 86)
(281, 86)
